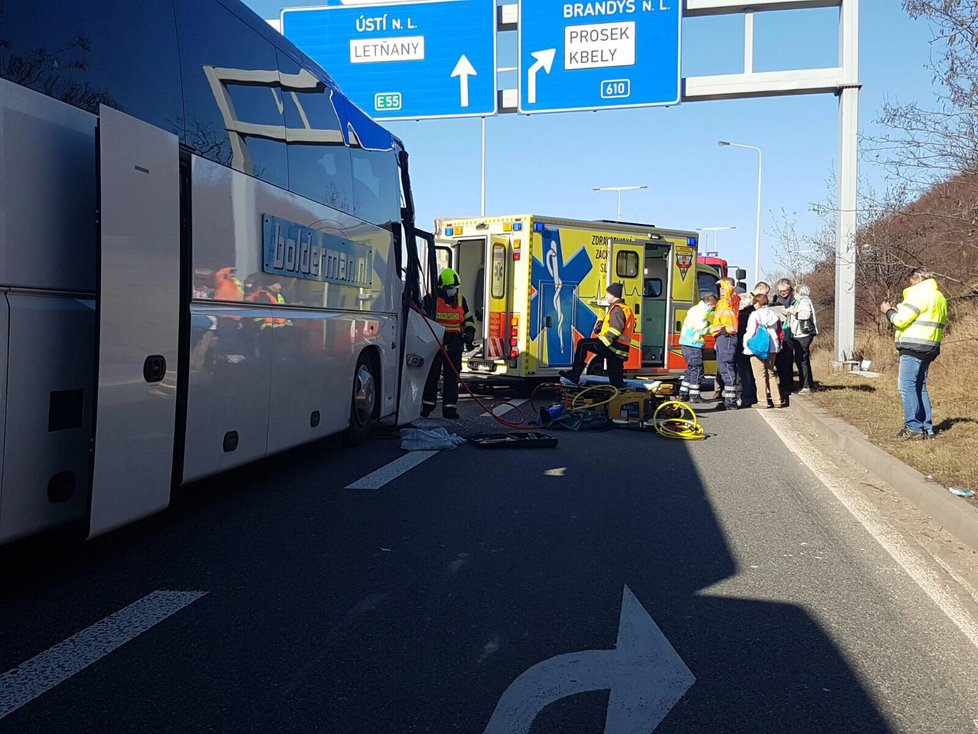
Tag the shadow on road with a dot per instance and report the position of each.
(412, 609)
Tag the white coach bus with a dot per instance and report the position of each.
(207, 255)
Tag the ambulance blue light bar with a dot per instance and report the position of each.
(691, 241)
(539, 227)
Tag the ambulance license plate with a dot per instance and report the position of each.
(480, 365)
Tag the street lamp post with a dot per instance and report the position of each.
(619, 189)
(757, 234)
(714, 230)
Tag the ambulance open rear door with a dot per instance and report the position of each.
(138, 318)
(625, 265)
(496, 334)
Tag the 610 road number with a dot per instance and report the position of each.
(387, 101)
(616, 88)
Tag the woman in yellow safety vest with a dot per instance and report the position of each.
(920, 320)
(724, 330)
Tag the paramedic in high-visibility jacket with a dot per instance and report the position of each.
(615, 335)
(451, 311)
(724, 330)
(691, 339)
(919, 320)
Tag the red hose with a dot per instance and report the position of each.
(486, 409)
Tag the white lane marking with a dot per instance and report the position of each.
(890, 539)
(40, 674)
(510, 405)
(390, 472)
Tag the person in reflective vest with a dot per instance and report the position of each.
(614, 336)
(695, 326)
(270, 292)
(227, 285)
(724, 330)
(451, 311)
(919, 320)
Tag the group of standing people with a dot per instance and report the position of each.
(758, 345)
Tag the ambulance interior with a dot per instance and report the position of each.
(655, 297)
(469, 258)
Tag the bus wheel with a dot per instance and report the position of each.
(364, 403)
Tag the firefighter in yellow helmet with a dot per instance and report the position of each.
(452, 312)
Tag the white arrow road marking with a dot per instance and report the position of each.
(390, 472)
(645, 674)
(54, 666)
(463, 70)
(545, 61)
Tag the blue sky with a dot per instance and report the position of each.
(549, 163)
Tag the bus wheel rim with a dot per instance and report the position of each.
(365, 397)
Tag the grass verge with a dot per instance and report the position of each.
(873, 404)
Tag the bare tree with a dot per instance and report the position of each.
(930, 216)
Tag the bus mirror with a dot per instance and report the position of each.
(741, 274)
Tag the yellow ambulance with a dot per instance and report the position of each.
(536, 286)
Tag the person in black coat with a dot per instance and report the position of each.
(784, 363)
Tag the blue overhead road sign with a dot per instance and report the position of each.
(594, 55)
(405, 60)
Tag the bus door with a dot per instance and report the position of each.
(419, 339)
(138, 314)
(443, 256)
(496, 325)
(625, 266)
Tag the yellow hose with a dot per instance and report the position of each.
(614, 393)
(687, 429)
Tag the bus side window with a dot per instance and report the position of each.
(206, 57)
(376, 185)
(320, 167)
(86, 54)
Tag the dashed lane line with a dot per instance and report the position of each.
(40, 674)
(404, 464)
(390, 472)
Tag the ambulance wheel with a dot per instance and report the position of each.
(365, 401)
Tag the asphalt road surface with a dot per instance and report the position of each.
(620, 582)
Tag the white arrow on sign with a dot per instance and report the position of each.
(463, 70)
(545, 61)
(645, 674)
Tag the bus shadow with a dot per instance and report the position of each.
(419, 605)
